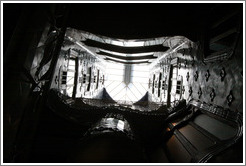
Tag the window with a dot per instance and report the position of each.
(153, 84)
(159, 85)
(70, 77)
(89, 78)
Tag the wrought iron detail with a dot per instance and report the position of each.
(185, 63)
(56, 80)
(199, 92)
(230, 98)
(212, 95)
(190, 91)
(196, 75)
(207, 75)
(188, 76)
(222, 74)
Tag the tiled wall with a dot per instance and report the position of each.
(90, 76)
(218, 82)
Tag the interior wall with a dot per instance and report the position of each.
(217, 81)
(88, 74)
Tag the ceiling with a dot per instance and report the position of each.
(139, 20)
(125, 20)
(136, 21)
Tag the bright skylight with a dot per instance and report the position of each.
(131, 91)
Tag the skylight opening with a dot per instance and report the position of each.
(127, 62)
(130, 89)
